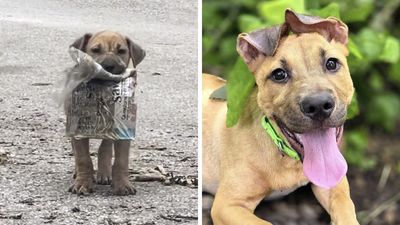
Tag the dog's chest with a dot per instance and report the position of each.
(285, 177)
(281, 193)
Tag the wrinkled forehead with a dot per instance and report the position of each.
(108, 38)
(307, 49)
(309, 42)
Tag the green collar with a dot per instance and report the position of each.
(279, 142)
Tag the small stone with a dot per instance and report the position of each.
(75, 209)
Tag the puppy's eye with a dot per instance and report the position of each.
(122, 51)
(332, 64)
(96, 50)
(279, 76)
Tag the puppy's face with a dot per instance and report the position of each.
(111, 50)
(306, 85)
(303, 79)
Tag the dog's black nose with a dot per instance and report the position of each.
(109, 68)
(318, 106)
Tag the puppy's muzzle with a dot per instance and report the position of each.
(318, 106)
(112, 65)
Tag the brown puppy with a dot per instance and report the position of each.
(113, 52)
(303, 87)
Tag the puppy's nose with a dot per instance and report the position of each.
(108, 64)
(108, 67)
(318, 106)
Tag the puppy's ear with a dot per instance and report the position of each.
(255, 46)
(81, 42)
(330, 28)
(136, 53)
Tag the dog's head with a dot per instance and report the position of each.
(111, 50)
(302, 78)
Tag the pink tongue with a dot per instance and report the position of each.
(323, 164)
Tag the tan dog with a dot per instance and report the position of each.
(303, 87)
(113, 52)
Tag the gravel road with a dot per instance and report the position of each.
(36, 163)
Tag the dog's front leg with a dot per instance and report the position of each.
(337, 203)
(236, 199)
(104, 162)
(84, 180)
(120, 170)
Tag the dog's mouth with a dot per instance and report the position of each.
(114, 69)
(111, 65)
(323, 164)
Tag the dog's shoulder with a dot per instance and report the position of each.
(212, 82)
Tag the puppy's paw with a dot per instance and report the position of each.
(103, 177)
(122, 187)
(82, 186)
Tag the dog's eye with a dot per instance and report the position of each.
(95, 50)
(279, 76)
(122, 51)
(332, 64)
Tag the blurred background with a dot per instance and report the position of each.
(372, 136)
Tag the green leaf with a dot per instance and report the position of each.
(273, 11)
(330, 10)
(353, 49)
(376, 82)
(370, 43)
(240, 84)
(355, 11)
(249, 23)
(246, 3)
(207, 42)
(356, 146)
(312, 4)
(384, 110)
(353, 109)
(391, 50)
(394, 73)
(227, 49)
(357, 140)
(211, 15)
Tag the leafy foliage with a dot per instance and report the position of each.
(239, 87)
(374, 58)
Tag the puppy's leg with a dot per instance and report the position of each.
(337, 203)
(84, 180)
(73, 152)
(120, 175)
(236, 199)
(104, 162)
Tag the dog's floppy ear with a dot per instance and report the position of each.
(81, 42)
(330, 28)
(259, 43)
(136, 53)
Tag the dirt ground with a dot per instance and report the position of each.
(36, 163)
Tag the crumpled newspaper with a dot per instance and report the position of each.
(98, 104)
(90, 69)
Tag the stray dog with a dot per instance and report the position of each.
(113, 52)
(303, 88)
